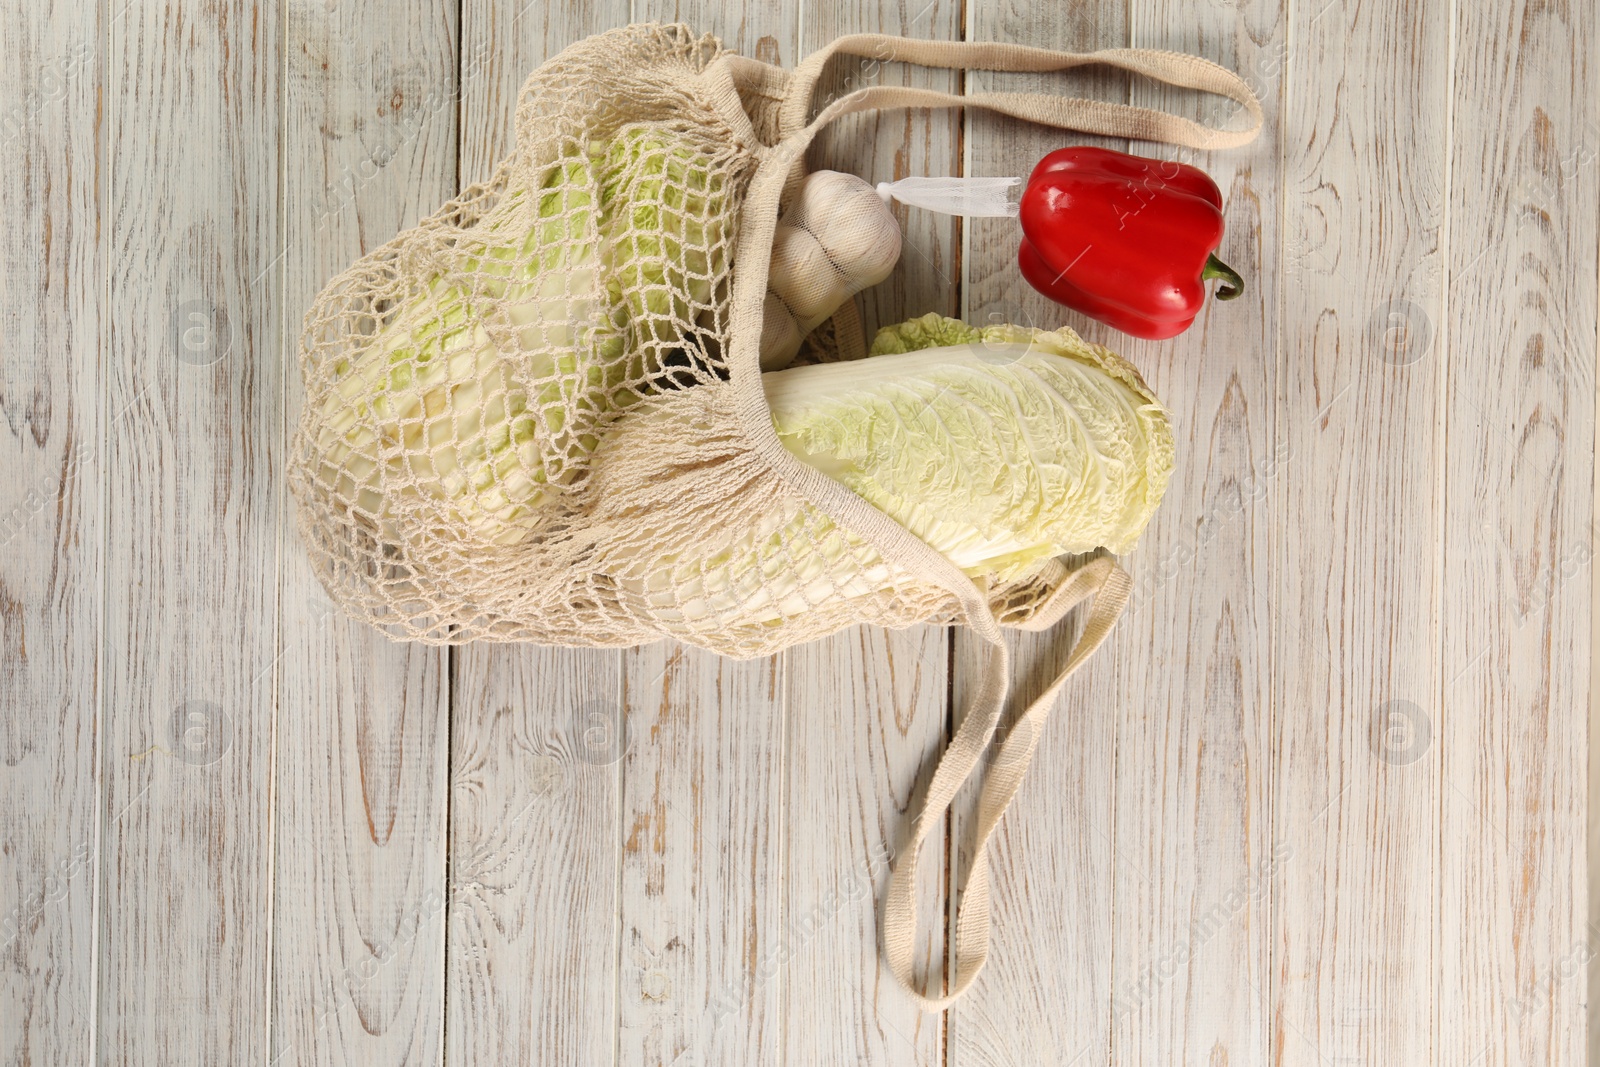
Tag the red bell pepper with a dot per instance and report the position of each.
(1125, 240)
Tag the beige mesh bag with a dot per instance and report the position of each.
(456, 464)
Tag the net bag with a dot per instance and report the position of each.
(538, 415)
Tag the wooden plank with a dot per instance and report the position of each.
(1193, 820)
(1356, 557)
(194, 470)
(536, 732)
(1514, 951)
(1053, 861)
(867, 728)
(53, 417)
(358, 917)
(537, 737)
(869, 706)
(703, 946)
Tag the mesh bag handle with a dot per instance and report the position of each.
(1101, 579)
(1063, 112)
(1109, 585)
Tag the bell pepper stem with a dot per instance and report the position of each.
(1233, 284)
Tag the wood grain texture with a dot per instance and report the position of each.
(536, 733)
(193, 233)
(1356, 554)
(1045, 996)
(359, 911)
(868, 710)
(1515, 356)
(53, 418)
(1319, 801)
(537, 739)
(703, 952)
(1193, 773)
(866, 726)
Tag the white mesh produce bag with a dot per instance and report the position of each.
(539, 415)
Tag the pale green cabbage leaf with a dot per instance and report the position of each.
(1006, 447)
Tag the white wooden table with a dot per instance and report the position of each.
(1320, 801)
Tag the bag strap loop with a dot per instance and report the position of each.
(1063, 112)
(1110, 586)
